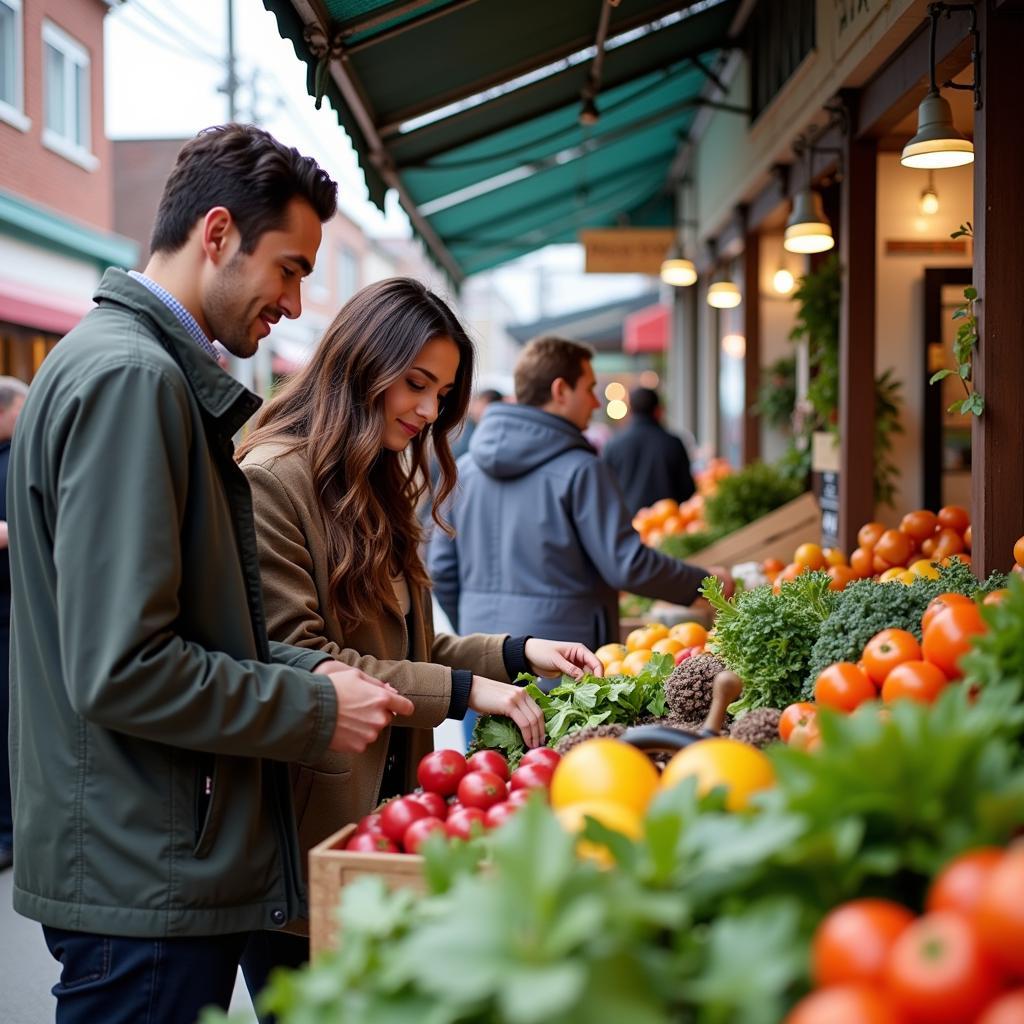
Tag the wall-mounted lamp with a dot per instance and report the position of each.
(929, 197)
(937, 142)
(724, 295)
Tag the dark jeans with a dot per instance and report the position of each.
(117, 980)
(6, 829)
(264, 952)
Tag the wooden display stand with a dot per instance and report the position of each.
(775, 535)
(332, 867)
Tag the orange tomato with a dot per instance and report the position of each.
(948, 636)
(880, 564)
(667, 645)
(861, 562)
(996, 597)
(661, 510)
(689, 634)
(773, 565)
(1018, 551)
(937, 603)
(1007, 1009)
(833, 556)
(791, 572)
(654, 537)
(852, 943)
(960, 556)
(843, 686)
(959, 885)
(887, 649)
(895, 547)
(840, 575)
(920, 524)
(633, 663)
(672, 525)
(810, 556)
(796, 714)
(845, 1004)
(928, 547)
(968, 538)
(999, 916)
(914, 680)
(947, 542)
(868, 534)
(955, 517)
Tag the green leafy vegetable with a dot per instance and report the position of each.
(766, 638)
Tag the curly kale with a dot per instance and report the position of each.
(766, 638)
(866, 607)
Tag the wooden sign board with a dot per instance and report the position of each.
(626, 250)
(926, 247)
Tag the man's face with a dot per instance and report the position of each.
(250, 292)
(581, 401)
(8, 417)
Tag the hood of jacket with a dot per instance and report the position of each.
(512, 440)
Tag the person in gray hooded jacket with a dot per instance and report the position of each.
(543, 537)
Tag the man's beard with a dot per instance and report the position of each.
(230, 322)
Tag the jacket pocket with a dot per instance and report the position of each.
(207, 806)
(324, 802)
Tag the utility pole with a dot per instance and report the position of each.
(231, 85)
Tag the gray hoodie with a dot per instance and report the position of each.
(543, 539)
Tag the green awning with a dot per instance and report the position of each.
(471, 110)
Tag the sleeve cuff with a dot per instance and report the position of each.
(513, 652)
(462, 682)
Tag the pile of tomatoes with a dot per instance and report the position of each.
(961, 962)
(893, 666)
(459, 797)
(667, 517)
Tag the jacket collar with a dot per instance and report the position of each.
(220, 395)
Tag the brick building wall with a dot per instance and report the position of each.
(27, 167)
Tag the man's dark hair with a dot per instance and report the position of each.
(247, 171)
(542, 362)
(644, 401)
(490, 396)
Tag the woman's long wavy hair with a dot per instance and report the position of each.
(332, 411)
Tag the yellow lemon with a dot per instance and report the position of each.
(922, 567)
(613, 816)
(604, 769)
(891, 574)
(743, 770)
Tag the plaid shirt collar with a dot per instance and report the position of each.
(185, 318)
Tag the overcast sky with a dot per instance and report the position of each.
(165, 64)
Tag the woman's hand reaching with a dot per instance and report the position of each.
(556, 657)
(489, 697)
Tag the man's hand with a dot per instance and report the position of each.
(555, 657)
(489, 697)
(366, 707)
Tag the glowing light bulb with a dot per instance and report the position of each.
(783, 281)
(617, 409)
(614, 391)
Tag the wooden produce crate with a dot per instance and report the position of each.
(332, 867)
(775, 535)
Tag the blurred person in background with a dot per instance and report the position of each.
(12, 398)
(477, 407)
(543, 538)
(648, 461)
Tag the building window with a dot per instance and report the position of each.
(346, 273)
(12, 100)
(66, 97)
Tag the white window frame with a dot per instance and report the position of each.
(77, 55)
(14, 113)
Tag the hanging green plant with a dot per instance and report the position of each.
(964, 344)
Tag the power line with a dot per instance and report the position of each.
(167, 44)
(176, 37)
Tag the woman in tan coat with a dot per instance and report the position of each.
(337, 465)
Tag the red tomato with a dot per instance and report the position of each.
(397, 815)
(371, 842)
(844, 1004)
(488, 761)
(936, 604)
(1008, 1009)
(681, 656)
(500, 813)
(795, 715)
(440, 771)
(369, 823)
(948, 636)
(541, 755)
(434, 803)
(460, 823)
(532, 776)
(1000, 914)
(853, 941)
(806, 736)
(939, 972)
(843, 686)
(959, 885)
(518, 797)
(482, 789)
(418, 831)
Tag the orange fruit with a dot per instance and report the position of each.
(968, 538)
(774, 565)
(840, 575)
(613, 668)
(895, 547)
(667, 645)
(955, 517)
(673, 525)
(614, 816)
(610, 652)
(920, 524)
(892, 573)
(604, 769)
(689, 634)
(868, 534)
(947, 542)
(1018, 551)
(743, 770)
(833, 556)
(633, 663)
(810, 555)
(881, 565)
(861, 562)
(661, 510)
(791, 572)
(843, 686)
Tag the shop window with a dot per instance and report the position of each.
(12, 66)
(66, 97)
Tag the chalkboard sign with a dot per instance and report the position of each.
(829, 502)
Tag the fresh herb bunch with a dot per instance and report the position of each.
(998, 655)
(573, 705)
(865, 608)
(766, 638)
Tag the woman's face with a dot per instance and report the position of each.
(412, 403)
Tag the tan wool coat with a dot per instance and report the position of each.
(292, 543)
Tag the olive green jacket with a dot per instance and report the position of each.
(150, 717)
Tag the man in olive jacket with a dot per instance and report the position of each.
(151, 718)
